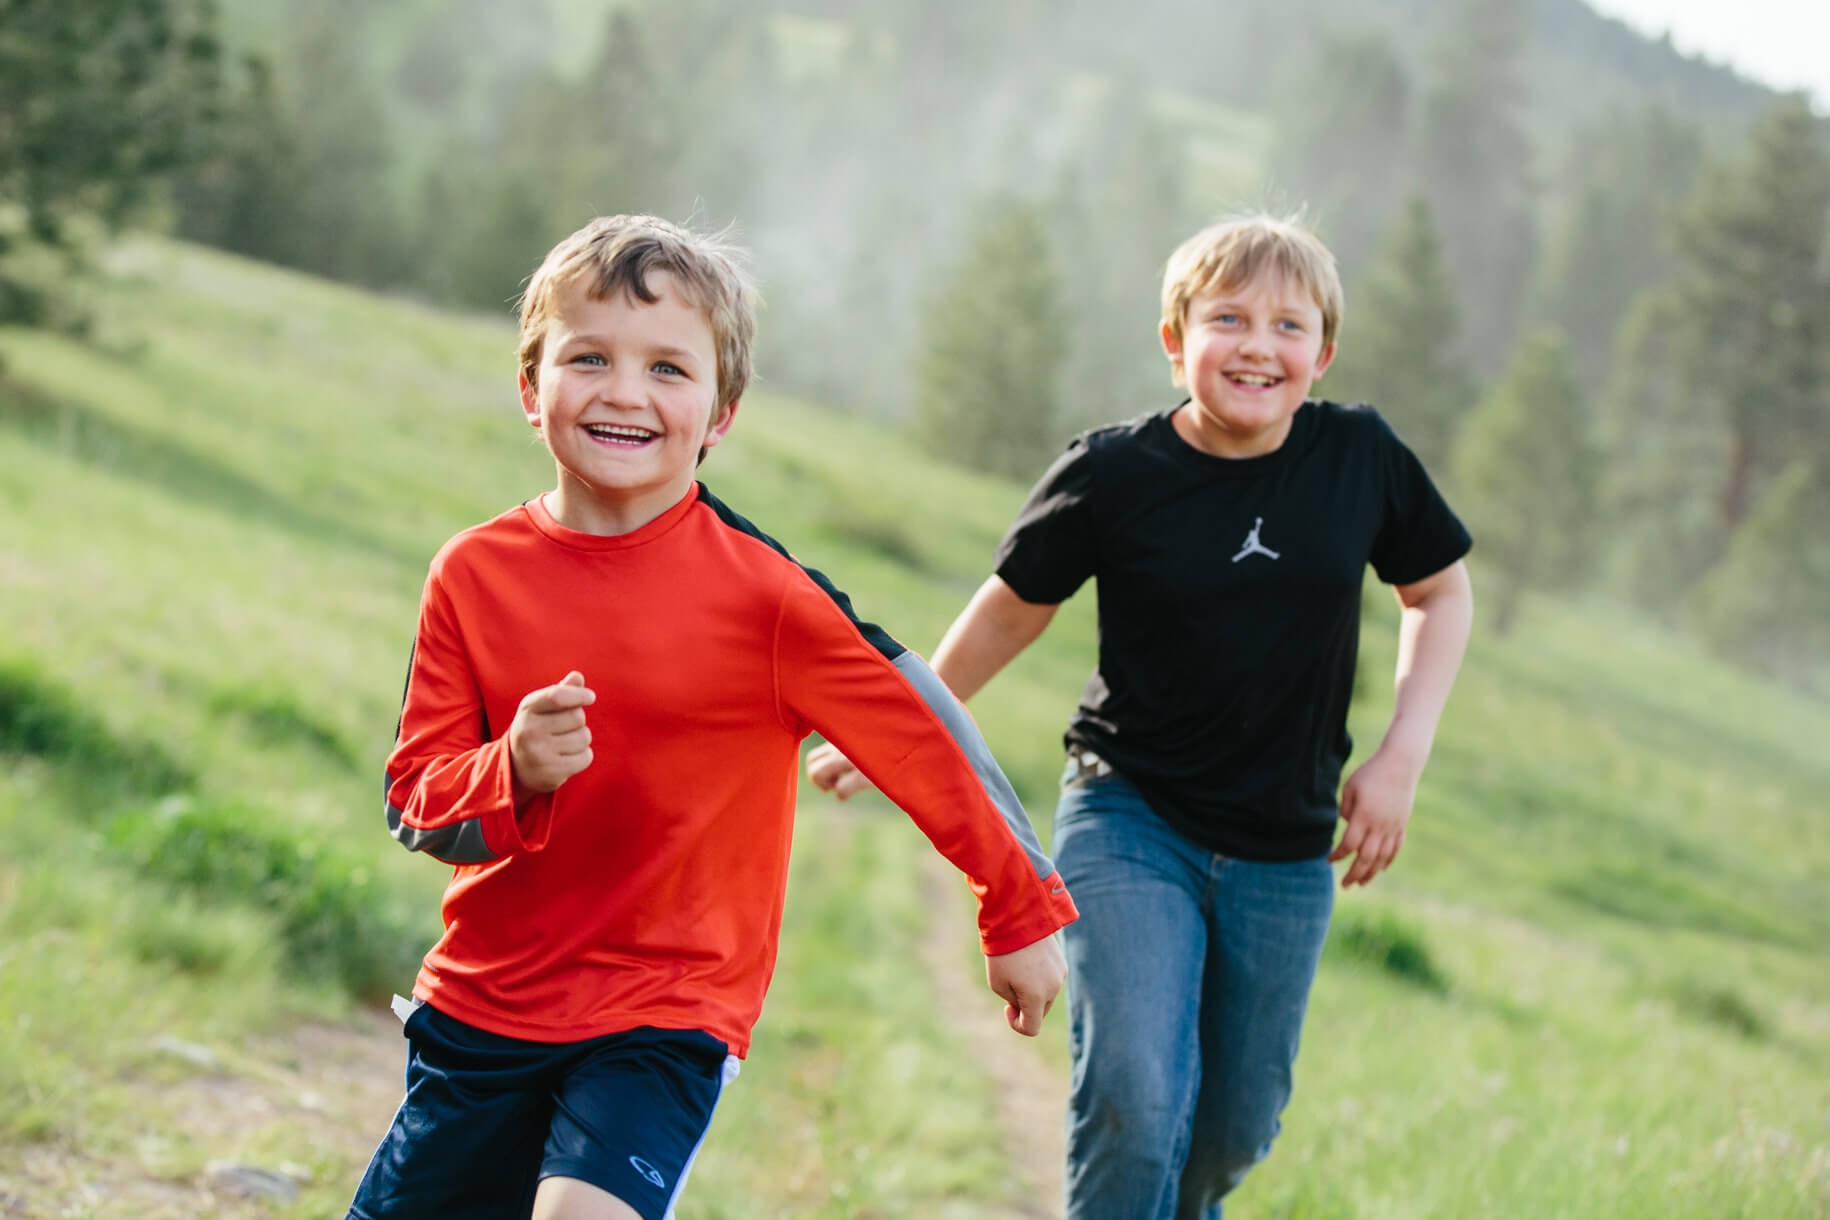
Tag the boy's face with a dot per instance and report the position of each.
(1249, 355)
(626, 398)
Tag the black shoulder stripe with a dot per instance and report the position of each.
(879, 639)
(406, 685)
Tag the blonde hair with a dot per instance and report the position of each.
(1232, 252)
(616, 254)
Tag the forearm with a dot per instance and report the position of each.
(455, 807)
(994, 627)
(1433, 631)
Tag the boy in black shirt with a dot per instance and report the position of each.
(1229, 537)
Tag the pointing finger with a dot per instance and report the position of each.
(561, 698)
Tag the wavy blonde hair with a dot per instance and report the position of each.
(615, 254)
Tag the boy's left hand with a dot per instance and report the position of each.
(1029, 980)
(1376, 805)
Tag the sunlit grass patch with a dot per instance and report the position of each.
(1669, 898)
(878, 534)
(188, 935)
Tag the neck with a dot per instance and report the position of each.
(579, 508)
(1202, 434)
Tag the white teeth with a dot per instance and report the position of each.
(617, 432)
(1257, 379)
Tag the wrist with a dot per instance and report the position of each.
(1408, 750)
(519, 792)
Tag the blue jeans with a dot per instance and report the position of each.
(1188, 974)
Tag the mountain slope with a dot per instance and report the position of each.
(1592, 986)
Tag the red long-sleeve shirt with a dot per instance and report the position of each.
(647, 890)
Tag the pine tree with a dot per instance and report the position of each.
(99, 101)
(1720, 379)
(1755, 302)
(1768, 603)
(350, 224)
(500, 241)
(1526, 468)
(1666, 446)
(987, 379)
(1398, 348)
(1475, 163)
(1120, 205)
(1626, 178)
(244, 196)
(1342, 135)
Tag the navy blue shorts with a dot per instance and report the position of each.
(487, 1117)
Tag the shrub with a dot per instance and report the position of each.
(1387, 942)
(274, 717)
(39, 720)
(1717, 1004)
(337, 921)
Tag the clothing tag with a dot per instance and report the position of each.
(1087, 765)
(404, 1008)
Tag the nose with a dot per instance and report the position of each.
(622, 386)
(1257, 342)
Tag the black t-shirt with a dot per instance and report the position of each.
(1229, 609)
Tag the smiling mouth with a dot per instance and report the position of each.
(1253, 381)
(618, 434)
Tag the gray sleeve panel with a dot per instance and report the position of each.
(460, 844)
(966, 734)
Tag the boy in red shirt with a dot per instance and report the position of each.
(601, 728)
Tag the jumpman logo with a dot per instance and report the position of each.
(1253, 546)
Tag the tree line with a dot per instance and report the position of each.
(1603, 329)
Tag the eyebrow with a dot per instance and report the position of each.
(665, 351)
(1238, 305)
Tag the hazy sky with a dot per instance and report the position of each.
(1783, 43)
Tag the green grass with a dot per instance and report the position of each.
(1594, 985)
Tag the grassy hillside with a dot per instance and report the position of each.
(1593, 986)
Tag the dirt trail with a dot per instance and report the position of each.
(333, 1089)
(1031, 1096)
(330, 1089)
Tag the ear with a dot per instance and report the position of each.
(721, 423)
(1322, 362)
(530, 398)
(1172, 345)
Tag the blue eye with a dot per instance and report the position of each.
(588, 358)
(668, 367)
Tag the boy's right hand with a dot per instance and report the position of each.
(1029, 980)
(548, 742)
(832, 772)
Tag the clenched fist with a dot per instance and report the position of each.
(548, 742)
